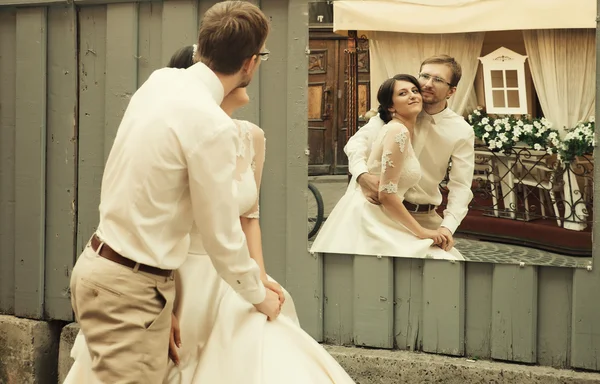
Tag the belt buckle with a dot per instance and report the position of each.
(416, 210)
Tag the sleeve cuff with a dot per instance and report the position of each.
(450, 223)
(254, 296)
(359, 169)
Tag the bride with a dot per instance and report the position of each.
(224, 339)
(357, 227)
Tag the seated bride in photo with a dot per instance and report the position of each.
(358, 227)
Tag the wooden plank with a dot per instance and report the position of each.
(478, 305)
(276, 180)
(149, 40)
(338, 310)
(121, 66)
(179, 26)
(61, 160)
(92, 75)
(408, 304)
(585, 334)
(8, 72)
(554, 316)
(374, 301)
(303, 276)
(203, 6)
(30, 3)
(444, 307)
(30, 164)
(514, 313)
(106, 2)
(35, 3)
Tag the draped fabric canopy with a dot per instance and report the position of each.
(459, 16)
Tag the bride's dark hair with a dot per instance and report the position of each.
(183, 58)
(385, 95)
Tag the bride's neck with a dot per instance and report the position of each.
(409, 123)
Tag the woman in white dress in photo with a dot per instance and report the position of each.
(357, 227)
(224, 339)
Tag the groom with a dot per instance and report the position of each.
(450, 138)
(172, 163)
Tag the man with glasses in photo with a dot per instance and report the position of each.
(450, 138)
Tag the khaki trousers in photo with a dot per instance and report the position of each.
(429, 220)
(125, 317)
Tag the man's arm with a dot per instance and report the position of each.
(358, 146)
(211, 167)
(459, 185)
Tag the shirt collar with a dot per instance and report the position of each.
(440, 115)
(210, 79)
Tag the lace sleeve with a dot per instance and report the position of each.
(258, 161)
(395, 145)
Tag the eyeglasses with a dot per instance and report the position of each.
(264, 56)
(436, 80)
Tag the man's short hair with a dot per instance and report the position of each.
(230, 33)
(450, 62)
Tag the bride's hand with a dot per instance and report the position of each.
(275, 287)
(174, 340)
(270, 305)
(438, 238)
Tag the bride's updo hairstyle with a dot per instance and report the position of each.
(385, 95)
(183, 58)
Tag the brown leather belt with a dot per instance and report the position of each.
(417, 208)
(109, 254)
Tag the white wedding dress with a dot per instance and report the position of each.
(225, 340)
(357, 227)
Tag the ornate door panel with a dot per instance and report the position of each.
(327, 101)
(322, 75)
(364, 101)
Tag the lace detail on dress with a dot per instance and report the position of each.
(390, 187)
(386, 161)
(255, 214)
(400, 139)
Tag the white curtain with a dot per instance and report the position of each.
(563, 67)
(392, 53)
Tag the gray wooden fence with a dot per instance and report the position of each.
(67, 71)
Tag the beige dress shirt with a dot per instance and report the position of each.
(172, 163)
(437, 139)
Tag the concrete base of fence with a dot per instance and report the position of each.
(21, 342)
(368, 366)
(28, 351)
(67, 338)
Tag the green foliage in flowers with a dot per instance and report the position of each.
(578, 141)
(501, 133)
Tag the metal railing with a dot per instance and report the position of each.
(527, 184)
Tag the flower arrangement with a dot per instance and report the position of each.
(502, 133)
(578, 141)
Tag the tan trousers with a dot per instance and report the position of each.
(429, 220)
(125, 317)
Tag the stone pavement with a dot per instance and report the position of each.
(332, 188)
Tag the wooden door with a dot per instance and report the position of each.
(322, 87)
(327, 101)
(364, 101)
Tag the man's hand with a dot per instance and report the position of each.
(370, 187)
(270, 305)
(174, 340)
(450, 239)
